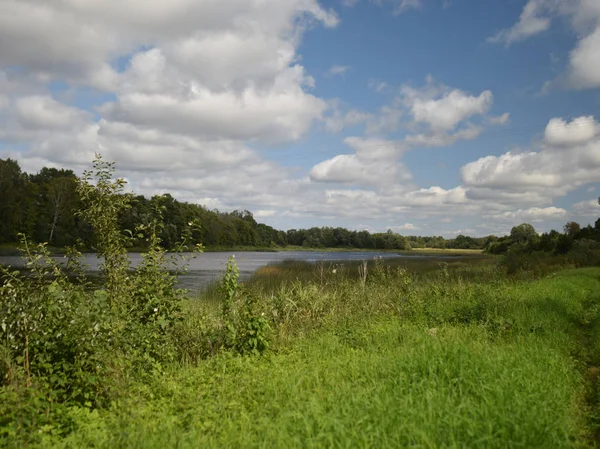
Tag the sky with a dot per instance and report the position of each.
(426, 117)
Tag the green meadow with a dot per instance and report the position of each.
(399, 360)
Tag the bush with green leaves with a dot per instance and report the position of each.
(51, 330)
(63, 340)
(246, 327)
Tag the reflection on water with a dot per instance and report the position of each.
(205, 268)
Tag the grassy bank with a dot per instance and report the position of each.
(444, 359)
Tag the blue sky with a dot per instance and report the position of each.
(421, 116)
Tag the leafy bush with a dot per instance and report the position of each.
(245, 325)
(64, 341)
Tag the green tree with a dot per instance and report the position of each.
(572, 229)
(11, 197)
(524, 233)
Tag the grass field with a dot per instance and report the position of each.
(440, 360)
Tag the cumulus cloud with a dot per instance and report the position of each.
(442, 115)
(578, 131)
(588, 208)
(568, 158)
(375, 162)
(215, 70)
(76, 39)
(584, 71)
(445, 111)
(532, 21)
(437, 114)
(196, 81)
(263, 213)
(43, 112)
(436, 196)
(533, 214)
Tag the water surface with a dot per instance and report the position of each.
(206, 268)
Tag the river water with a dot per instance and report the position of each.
(205, 268)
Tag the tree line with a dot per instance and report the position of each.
(524, 238)
(44, 206)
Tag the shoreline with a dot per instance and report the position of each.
(12, 249)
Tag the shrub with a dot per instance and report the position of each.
(62, 340)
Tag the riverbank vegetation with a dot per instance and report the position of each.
(525, 249)
(455, 352)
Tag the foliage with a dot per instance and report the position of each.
(246, 327)
(68, 342)
(526, 251)
(102, 202)
(489, 362)
(50, 330)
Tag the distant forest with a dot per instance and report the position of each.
(43, 206)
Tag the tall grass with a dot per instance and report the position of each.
(394, 365)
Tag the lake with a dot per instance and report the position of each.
(206, 268)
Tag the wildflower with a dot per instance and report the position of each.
(156, 309)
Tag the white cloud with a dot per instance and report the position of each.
(578, 131)
(337, 70)
(43, 112)
(442, 115)
(75, 39)
(438, 115)
(402, 228)
(436, 196)
(215, 70)
(588, 208)
(568, 159)
(446, 111)
(263, 213)
(501, 119)
(387, 120)
(340, 116)
(378, 86)
(441, 139)
(584, 71)
(533, 214)
(531, 22)
(375, 162)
